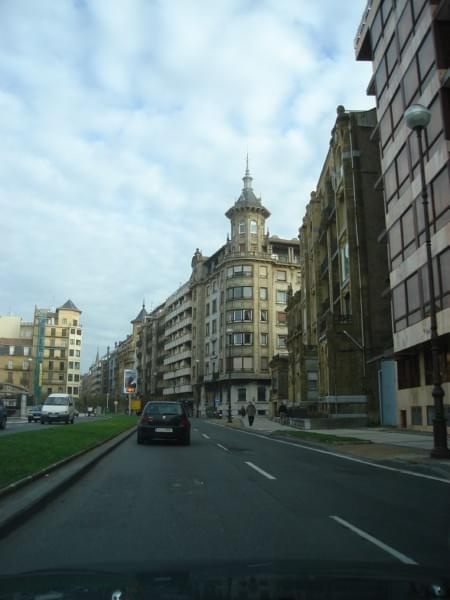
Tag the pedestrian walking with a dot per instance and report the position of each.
(251, 412)
(283, 413)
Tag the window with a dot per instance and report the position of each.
(71, 352)
(263, 271)
(207, 329)
(208, 290)
(75, 391)
(281, 318)
(312, 380)
(345, 266)
(242, 363)
(72, 342)
(53, 331)
(77, 353)
(240, 339)
(70, 365)
(214, 306)
(78, 342)
(70, 377)
(69, 389)
(206, 349)
(25, 365)
(253, 227)
(76, 377)
(264, 363)
(242, 394)
(242, 227)
(26, 351)
(50, 365)
(61, 366)
(281, 275)
(207, 310)
(281, 341)
(51, 352)
(282, 296)
(245, 314)
(263, 339)
(78, 331)
(263, 294)
(430, 414)
(237, 293)
(11, 350)
(240, 271)
(408, 373)
(64, 321)
(10, 377)
(214, 326)
(416, 415)
(10, 364)
(77, 365)
(75, 322)
(263, 315)
(261, 393)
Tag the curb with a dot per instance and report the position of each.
(17, 518)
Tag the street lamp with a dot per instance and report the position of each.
(417, 118)
(229, 334)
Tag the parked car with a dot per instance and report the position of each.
(58, 407)
(3, 415)
(34, 413)
(164, 421)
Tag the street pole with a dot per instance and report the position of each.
(417, 118)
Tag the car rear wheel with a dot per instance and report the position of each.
(3, 423)
(140, 439)
(186, 440)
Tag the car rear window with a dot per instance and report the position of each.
(163, 409)
(57, 401)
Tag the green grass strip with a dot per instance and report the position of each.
(322, 438)
(25, 453)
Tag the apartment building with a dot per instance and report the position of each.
(239, 297)
(177, 345)
(57, 345)
(407, 42)
(341, 319)
(150, 355)
(15, 360)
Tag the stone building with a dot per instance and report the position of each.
(407, 43)
(239, 296)
(345, 319)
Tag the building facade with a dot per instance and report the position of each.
(341, 319)
(57, 345)
(407, 43)
(239, 297)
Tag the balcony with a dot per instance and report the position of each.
(176, 326)
(324, 266)
(178, 341)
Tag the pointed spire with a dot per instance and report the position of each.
(247, 179)
(97, 358)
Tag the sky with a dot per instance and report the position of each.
(124, 128)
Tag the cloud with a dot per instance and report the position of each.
(124, 131)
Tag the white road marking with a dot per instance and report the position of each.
(401, 557)
(206, 436)
(196, 430)
(223, 447)
(342, 456)
(268, 475)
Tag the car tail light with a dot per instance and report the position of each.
(184, 422)
(146, 419)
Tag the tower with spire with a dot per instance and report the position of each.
(248, 217)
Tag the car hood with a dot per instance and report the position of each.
(268, 580)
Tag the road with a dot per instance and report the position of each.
(234, 495)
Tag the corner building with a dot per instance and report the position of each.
(239, 297)
(408, 44)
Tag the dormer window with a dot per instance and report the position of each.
(253, 227)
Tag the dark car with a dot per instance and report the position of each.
(164, 421)
(3, 415)
(34, 413)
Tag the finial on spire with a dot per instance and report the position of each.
(247, 178)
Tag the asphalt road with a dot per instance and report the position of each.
(234, 496)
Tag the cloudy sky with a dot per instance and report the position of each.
(124, 126)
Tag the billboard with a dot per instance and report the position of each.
(129, 381)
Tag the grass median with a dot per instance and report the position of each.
(25, 453)
(321, 438)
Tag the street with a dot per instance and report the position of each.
(234, 495)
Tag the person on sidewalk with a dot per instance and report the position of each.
(283, 413)
(251, 412)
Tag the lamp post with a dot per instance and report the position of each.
(417, 118)
(229, 334)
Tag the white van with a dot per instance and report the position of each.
(58, 407)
